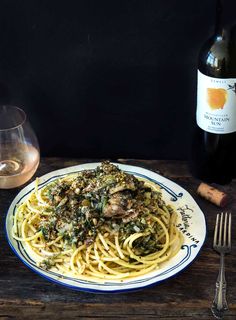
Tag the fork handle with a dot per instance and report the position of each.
(219, 305)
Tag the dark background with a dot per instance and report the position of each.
(105, 78)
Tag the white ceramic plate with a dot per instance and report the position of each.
(191, 222)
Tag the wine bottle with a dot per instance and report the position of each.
(213, 156)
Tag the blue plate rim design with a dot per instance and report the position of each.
(139, 283)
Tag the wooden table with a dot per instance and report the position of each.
(25, 295)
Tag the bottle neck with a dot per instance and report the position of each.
(225, 18)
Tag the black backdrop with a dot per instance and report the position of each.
(105, 78)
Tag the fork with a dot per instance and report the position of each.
(222, 245)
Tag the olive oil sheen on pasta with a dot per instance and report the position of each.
(213, 156)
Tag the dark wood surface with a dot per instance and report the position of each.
(25, 295)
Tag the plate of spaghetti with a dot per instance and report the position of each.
(105, 227)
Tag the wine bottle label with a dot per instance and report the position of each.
(216, 104)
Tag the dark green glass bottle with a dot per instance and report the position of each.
(213, 155)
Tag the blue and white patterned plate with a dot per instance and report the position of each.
(191, 222)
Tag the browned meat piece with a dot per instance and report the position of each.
(120, 206)
(114, 210)
(117, 212)
(121, 187)
(131, 215)
(119, 198)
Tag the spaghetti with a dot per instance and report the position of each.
(98, 225)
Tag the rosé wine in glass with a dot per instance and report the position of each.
(19, 150)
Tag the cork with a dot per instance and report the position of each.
(213, 195)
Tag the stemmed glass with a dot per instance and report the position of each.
(19, 149)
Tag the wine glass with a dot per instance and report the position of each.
(19, 149)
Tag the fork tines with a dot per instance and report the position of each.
(222, 234)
